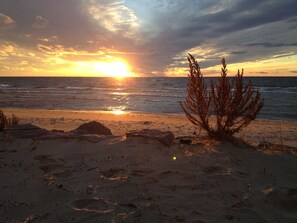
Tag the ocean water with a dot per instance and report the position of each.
(135, 95)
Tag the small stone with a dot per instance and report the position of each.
(93, 128)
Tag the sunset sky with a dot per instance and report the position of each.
(146, 37)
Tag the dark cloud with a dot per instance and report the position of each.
(69, 20)
(269, 44)
(181, 33)
(237, 52)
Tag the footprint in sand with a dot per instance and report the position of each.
(114, 174)
(116, 212)
(97, 206)
(56, 169)
(52, 167)
(49, 159)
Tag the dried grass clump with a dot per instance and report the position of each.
(6, 121)
(234, 105)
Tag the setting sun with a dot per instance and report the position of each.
(113, 69)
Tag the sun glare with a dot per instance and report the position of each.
(114, 68)
(117, 69)
(117, 112)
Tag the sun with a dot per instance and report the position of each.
(117, 68)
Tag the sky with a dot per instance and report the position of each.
(151, 37)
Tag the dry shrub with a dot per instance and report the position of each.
(233, 104)
(6, 121)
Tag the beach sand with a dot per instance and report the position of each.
(119, 179)
(273, 131)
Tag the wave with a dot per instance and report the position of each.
(5, 85)
(278, 90)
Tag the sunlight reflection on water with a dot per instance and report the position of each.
(117, 110)
(121, 99)
(119, 93)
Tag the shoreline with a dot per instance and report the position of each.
(114, 113)
(261, 130)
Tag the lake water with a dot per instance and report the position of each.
(136, 95)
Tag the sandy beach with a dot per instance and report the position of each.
(120, 179)
(273, 131)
